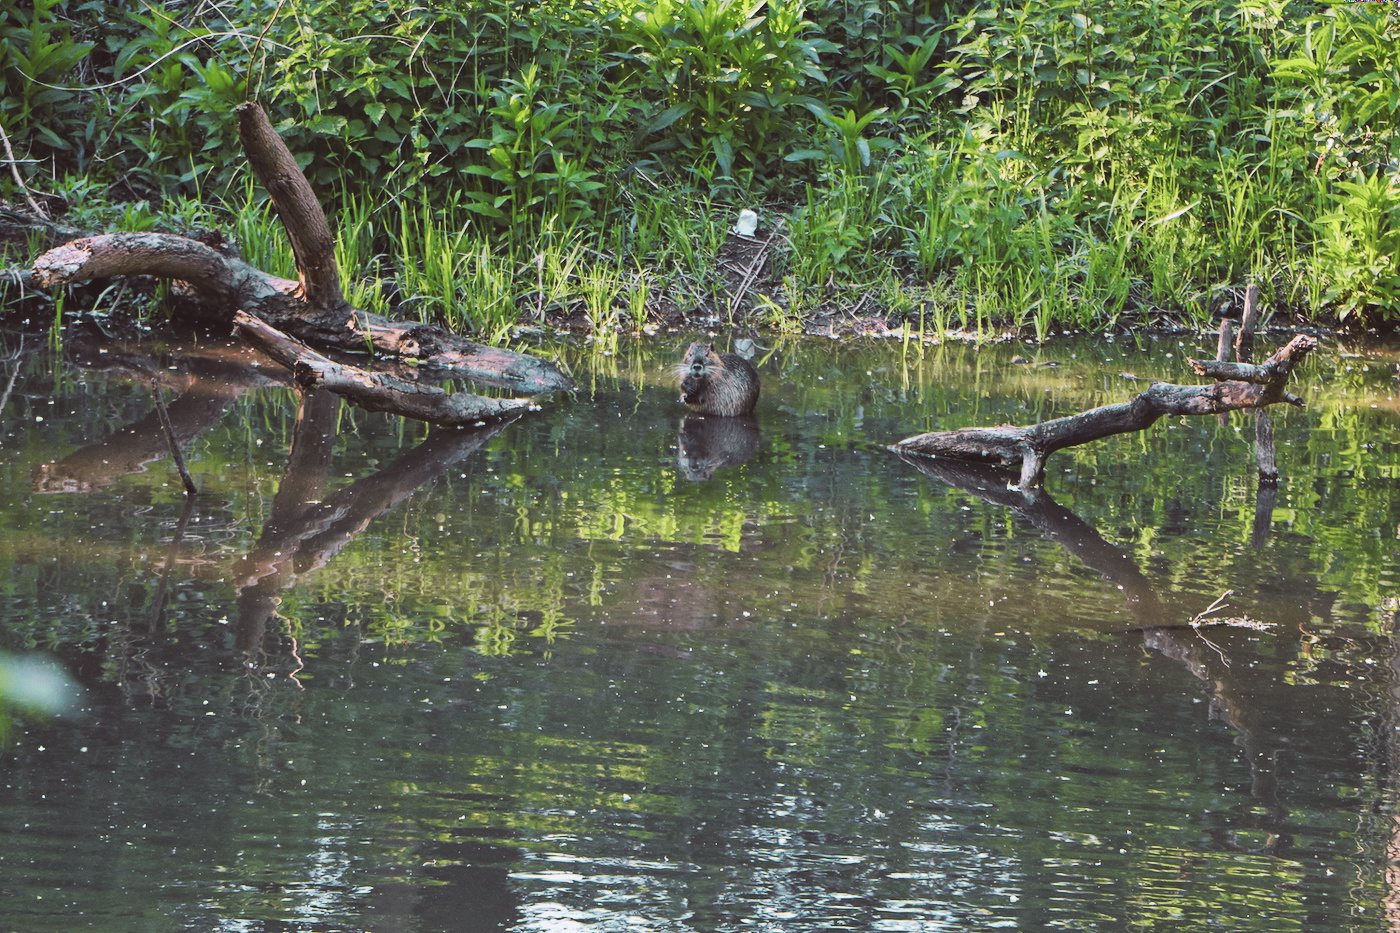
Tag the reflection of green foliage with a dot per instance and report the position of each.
(581, 512)
(852, 645)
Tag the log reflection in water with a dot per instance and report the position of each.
(177, 364)
(1230, 696)
(305, 531)
(1058, 523)
(129, 449)
(209, 375)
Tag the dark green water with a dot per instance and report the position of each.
(538, 679)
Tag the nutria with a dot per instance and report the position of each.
(717, 383)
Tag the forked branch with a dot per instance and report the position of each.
(1242, 386)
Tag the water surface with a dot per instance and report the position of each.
(605, 669)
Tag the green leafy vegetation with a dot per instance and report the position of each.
(974, 167)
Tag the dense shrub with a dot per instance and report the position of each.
(1057, 159)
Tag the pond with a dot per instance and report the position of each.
(605, 669)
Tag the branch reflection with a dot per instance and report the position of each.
(304, 531)
(1230, 694)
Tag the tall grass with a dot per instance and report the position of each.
(956, 166)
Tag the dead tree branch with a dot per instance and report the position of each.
(312, 309)
(1030, 446)
(313, 244)
(19, 180)
(373, 391)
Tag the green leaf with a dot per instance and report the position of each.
(667, 117)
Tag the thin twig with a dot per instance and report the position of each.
(14, 170)
(10, 386)
(752, 273)
(190, 488)
(1223, 660)
(158, 604)
(1212, 608)
(1200, 620)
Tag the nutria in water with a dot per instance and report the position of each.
(717, 383)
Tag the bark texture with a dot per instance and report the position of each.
(1243, 387)
(313, 244)
(374, 391)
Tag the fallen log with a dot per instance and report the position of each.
(374, 391)
(311, 309)
(1241, 386)
(223, 284)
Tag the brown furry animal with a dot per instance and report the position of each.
(717, 383)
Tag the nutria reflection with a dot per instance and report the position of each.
(707, 443)
(717, 383)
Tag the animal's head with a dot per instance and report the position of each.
(698, 358)
(699, 364)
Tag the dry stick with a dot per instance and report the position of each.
(1222, 355)
(10, 386)
(1227, 339)
(751, 274)
(14, 169)
(1263, 424)
(1200, 619)
(1213, 608)
(190, 488)
(1249, 320)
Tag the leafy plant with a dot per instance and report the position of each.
(529, 156)
(729, 78)
(1358, 246)
(848, 147)
(37, 54)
